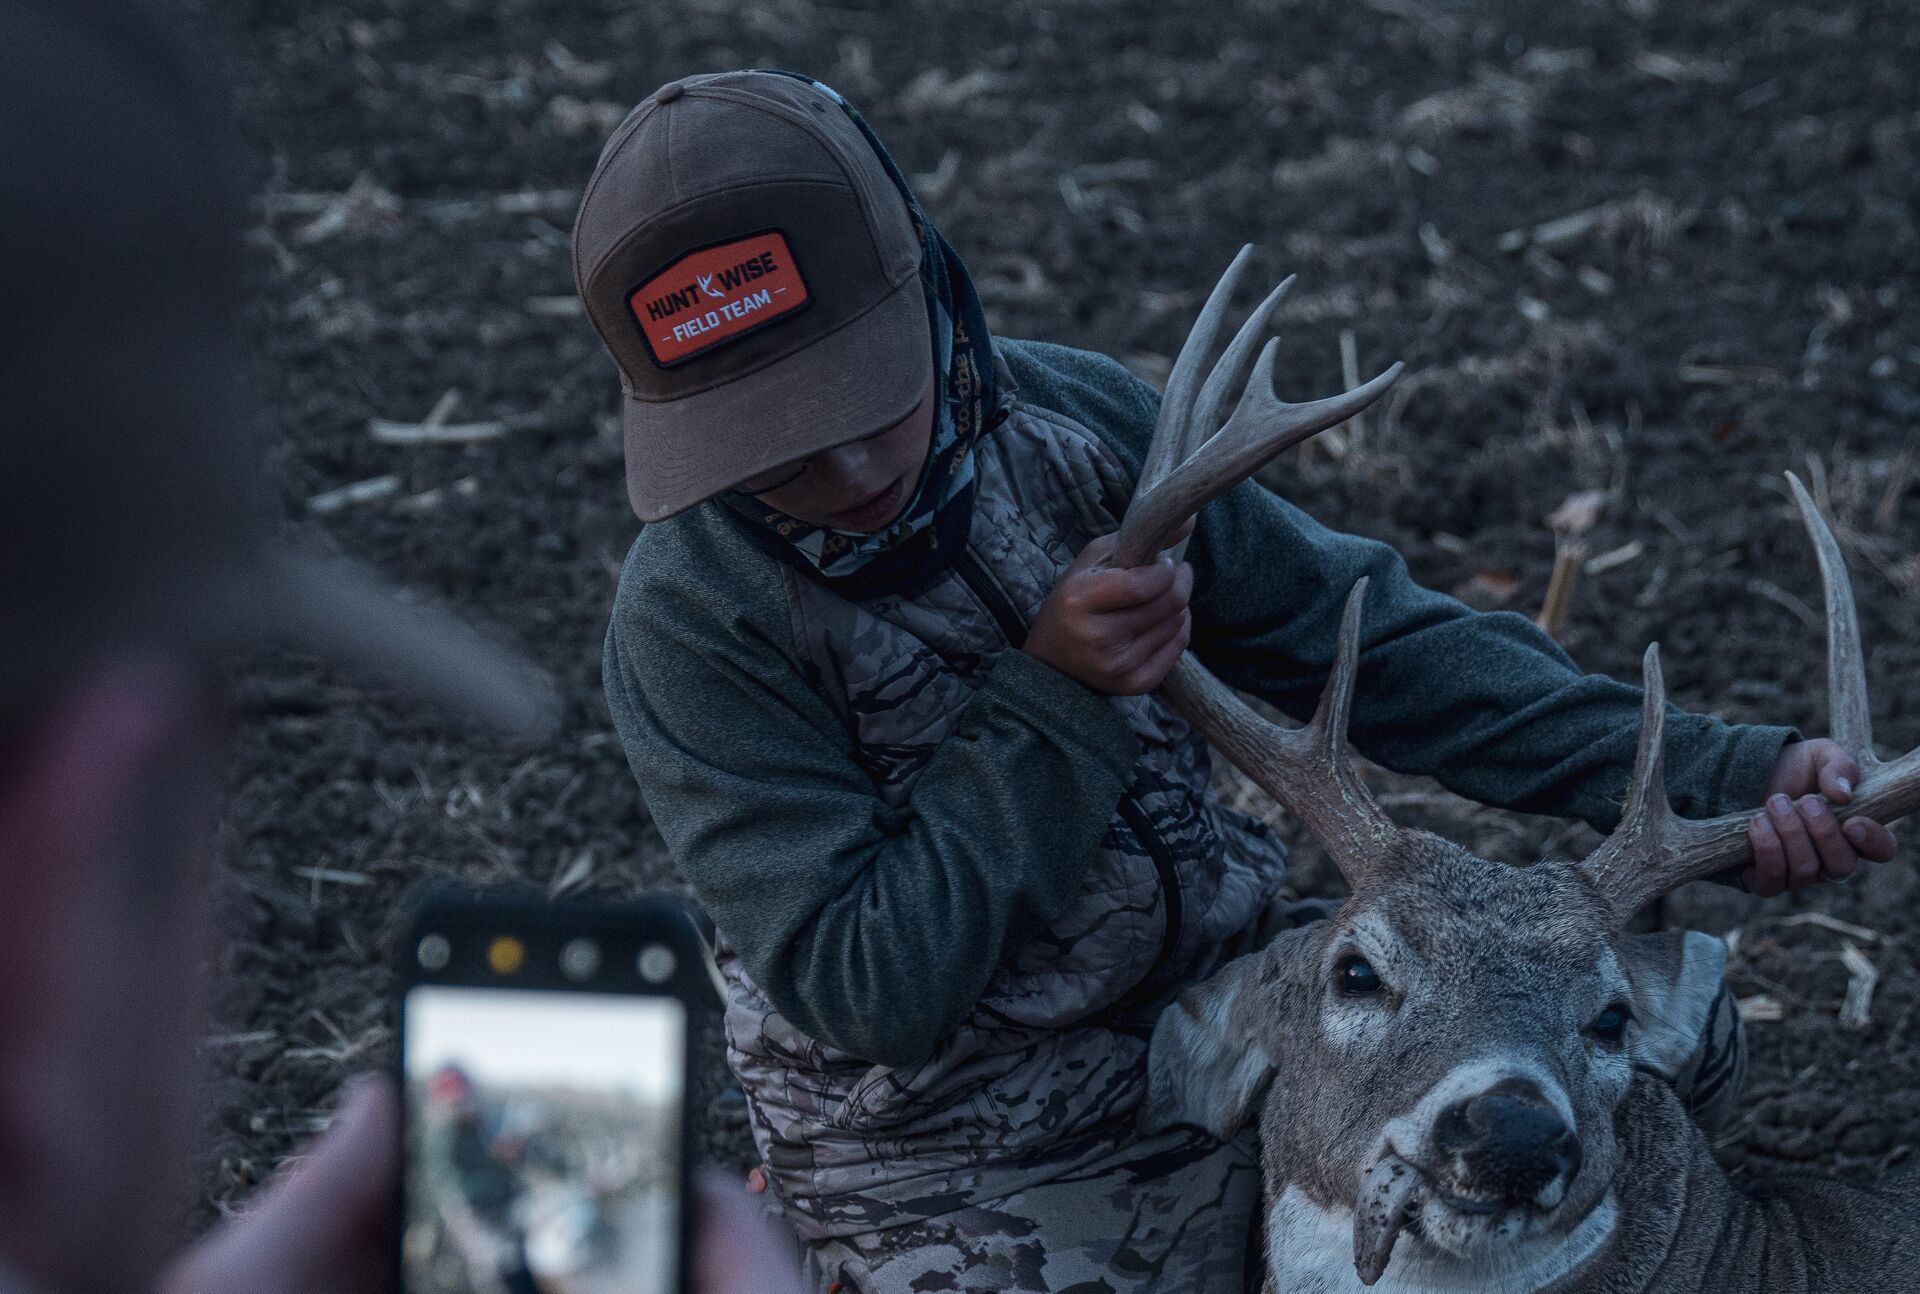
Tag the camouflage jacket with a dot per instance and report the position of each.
(944, 944)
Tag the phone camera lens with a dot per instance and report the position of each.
(657, 963)
(434, 952)
(580, 959)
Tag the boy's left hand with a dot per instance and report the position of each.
(1796, 838)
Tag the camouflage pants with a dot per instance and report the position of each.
(1170, 1212)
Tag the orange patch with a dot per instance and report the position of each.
(717, 294)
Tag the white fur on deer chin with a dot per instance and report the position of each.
(1307, 1247)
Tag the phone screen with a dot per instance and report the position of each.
(543, 1140)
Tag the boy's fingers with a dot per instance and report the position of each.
(1871, 840)
(1154, 669)
(1803, 864)
(1153, 641)
(1125, 660)
(1837, 859)
(1183, 581)
(1768, 875)
(1123, 626)
(1091, 558)
(1118, 631)
(1095, 553)
(1186, 529)
(1117, 588)
(1836, 771)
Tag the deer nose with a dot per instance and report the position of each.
(1509, 1141)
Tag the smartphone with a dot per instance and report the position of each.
(543, 1056)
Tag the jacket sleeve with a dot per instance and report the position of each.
(1485, 702)
(872, 929)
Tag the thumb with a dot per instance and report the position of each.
(1836, 772)
(321, 1224)
(344, 1188)
(1096, 553)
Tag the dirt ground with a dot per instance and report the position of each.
(1656, 250)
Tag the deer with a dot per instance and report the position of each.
(1463, 1079)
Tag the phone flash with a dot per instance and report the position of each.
(505, 955)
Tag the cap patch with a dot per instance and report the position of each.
(717, 294)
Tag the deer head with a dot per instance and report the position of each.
(1447, 1054)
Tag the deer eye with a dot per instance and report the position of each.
(1610, 1026)
(1354, 977)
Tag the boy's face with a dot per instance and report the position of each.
(864, 484)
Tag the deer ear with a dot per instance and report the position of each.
(1204, 1066)
(1676, 975)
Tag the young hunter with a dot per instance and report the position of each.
(893, 713)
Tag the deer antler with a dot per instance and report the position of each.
(1187, 465)
(1654, 851)
(1306, 769)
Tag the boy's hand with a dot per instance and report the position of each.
(1119, 630)
(1796, 839)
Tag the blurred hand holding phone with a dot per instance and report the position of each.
(543, 1066)
(537, 1142)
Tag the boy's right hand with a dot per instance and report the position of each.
(1117, 629)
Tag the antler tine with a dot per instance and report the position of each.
(1329, 726)
(1847, 714)
(1888, 789)
(1211, 463)
(1622, 863)
(1306, 769)
(1263, 425)
(1229, 373)
(1653, 851)
(1175, 433)
(1234, 369)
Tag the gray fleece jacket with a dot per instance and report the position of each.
(873, 920)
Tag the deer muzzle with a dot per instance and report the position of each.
(1484, 1163)
(1505, 1148)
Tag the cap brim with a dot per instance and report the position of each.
(851, 383)
(347, 613)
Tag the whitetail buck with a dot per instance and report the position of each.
(1465, 1073)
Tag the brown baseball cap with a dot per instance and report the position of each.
(755, 274)
(130, 508)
